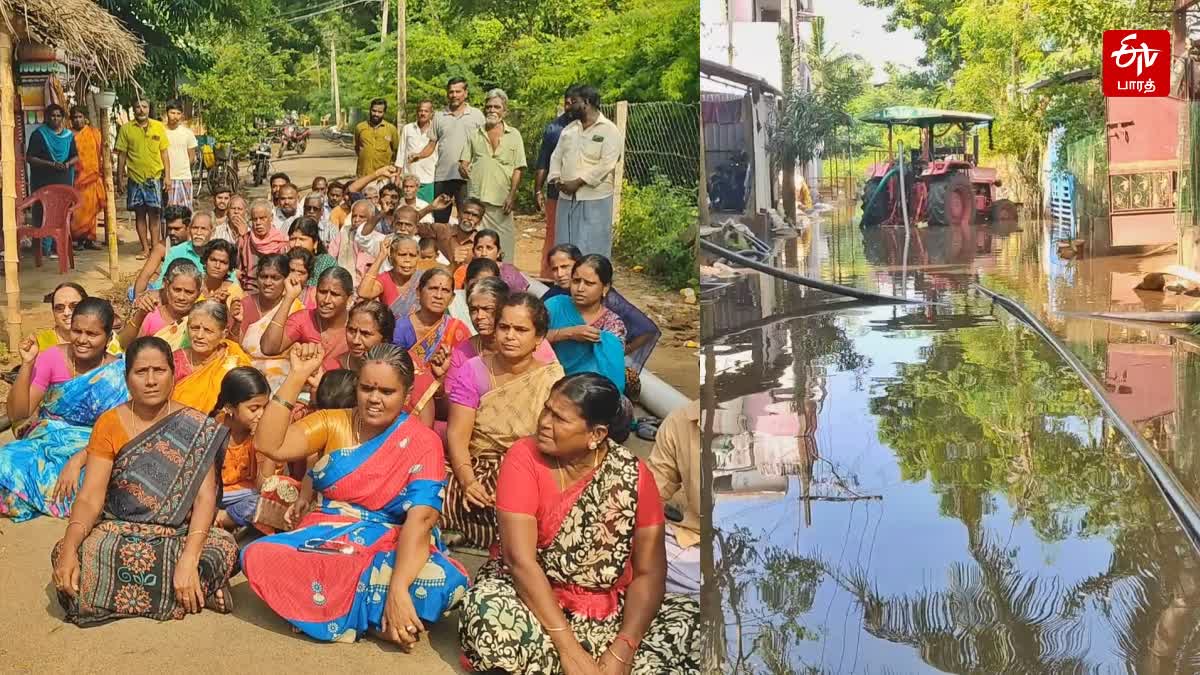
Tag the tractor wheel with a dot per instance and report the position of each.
(877, 211)
(1003, 212)
(951, 200)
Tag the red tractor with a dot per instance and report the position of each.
(943, 184)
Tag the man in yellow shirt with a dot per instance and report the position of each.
(142, 160)
(376, 140)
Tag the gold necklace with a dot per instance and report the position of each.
(135, 431)
(562, 481)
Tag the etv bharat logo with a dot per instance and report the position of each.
(1137, 63)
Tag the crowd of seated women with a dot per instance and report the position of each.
(263, 402)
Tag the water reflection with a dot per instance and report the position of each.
(900, 489)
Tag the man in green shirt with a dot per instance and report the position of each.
(492, 161)
(142, 160)
(376, 140)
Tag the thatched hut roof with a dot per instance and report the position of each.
(90, 36)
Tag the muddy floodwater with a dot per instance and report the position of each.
(929, 488)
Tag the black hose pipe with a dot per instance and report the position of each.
(805, 281)
(1181, 502)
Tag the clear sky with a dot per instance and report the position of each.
(859, 30)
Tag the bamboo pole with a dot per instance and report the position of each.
(619, 172)
(333, 82)
(401, 61)
(110, 196)
(383, 24)
(8, 189)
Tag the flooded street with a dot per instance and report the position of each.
(930, 488)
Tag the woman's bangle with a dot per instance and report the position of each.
(557, 630)
(76, 522)
(618, 658)
(289, 406)
(627, 640)
(276, 322)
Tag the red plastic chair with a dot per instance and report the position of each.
(58, 203)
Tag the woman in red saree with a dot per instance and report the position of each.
(324, 324)
(88, 180)
(430, 335)
(579, 585)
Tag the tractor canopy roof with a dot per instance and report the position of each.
(924, 117)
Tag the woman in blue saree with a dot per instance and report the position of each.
(367, 557)
(641, 333)
(68, 386)
(587, 336)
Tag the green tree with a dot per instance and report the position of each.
(244, 82)
(812, 117)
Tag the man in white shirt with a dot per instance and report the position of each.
(181, 148)
(583, 167)
(287, 210)
(418, 155)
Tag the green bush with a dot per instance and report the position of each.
(654, 231)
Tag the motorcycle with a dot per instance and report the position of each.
(295, 138)
(727, 185)
(262, 161)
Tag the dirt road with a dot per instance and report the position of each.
(253, 638)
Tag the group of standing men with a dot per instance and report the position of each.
(463, 152)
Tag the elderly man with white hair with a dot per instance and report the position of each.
(492, 162)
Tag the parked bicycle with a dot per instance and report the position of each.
(224, 172)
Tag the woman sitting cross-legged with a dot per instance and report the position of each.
(141, 540)
(397, 287)
(305, 234)
(370, 324)
(641, 333)
(163, 313)
(240, 406)
(483, 304)
(487, 245)
(367, 557)
(430, 335)
(477, 270)
(579, 585)
(257, 310)
(495, 399)
(201, 366)
(62, 390)
(63, 300)
(324, 324)
(587, 336)
(219, 258)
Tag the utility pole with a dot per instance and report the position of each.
(333, 83)
(383, 24)
(401, 61)
(729, 22)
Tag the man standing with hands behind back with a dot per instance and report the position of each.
(142, 159)
(451, 129)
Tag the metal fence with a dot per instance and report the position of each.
(1087, 160)
(662, 138)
